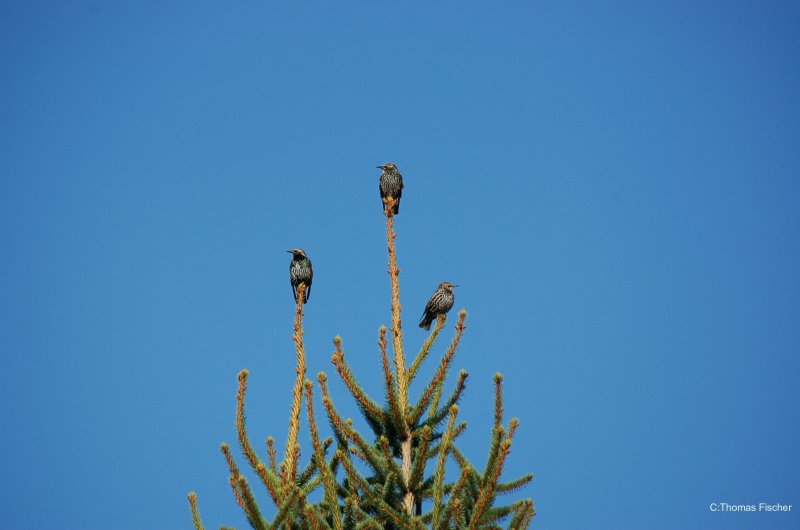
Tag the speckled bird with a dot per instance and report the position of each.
(440, 303)
(300, 271)
(391, 184)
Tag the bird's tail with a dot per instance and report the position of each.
(425, 323)
(397, 207)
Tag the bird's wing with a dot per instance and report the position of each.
(427, 309)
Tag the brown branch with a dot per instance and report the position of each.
(379, 502)
(460, 327)
(394, 406)
(292, 447)
(319, 454)
(234, 469)
(434, 387)
(271, 452)
(438, 489)
(347, 376)
(244, 441)
(336, 420)
(426, 347)
(198, 524)
(487, 490)
(397, 330)
(251, 506)
(498, 399)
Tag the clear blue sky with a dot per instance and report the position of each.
(614, 185)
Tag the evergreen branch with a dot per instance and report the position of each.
(397, 331)
(345, 431)
(458, 514)
(397, 415)
(379, 503)
(456, 433)
(418, 469)
(371, 410)
(438, 490)
(232, 480)
(525, 511)
(426, 347)
(388, 459)
(369, 523)
(489, 482)
(315, 520)
(241, 428)
(460, 327)
(367, 453)
(388, 489)
(339, 428)
(271, 453)
(435, 384)
(198, 524)
(455, 495)
(234, 469)
(328, 478)
(514, 485)
(498, 400)
(512, 427)
(251, 509)
(495, 514)
(307, 474)
(270, 481)
(520, 507)
(292, 447)
(287, 504)
(437, 417)
(349, 513)
(363, 518)
(460, 458)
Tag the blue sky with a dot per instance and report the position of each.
(614, 186)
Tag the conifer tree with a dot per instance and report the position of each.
(394, 478)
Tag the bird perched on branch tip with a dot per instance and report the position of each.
(391, 185)
(440, 303)
(300, 271)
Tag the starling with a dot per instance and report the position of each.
(440, 303)
(391, 185)
(300, 272)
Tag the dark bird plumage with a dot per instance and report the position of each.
(440, 303)
(300, 271)
(391, 184)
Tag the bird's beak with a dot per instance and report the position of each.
(455, 285)
(290, 252)
(380, 167)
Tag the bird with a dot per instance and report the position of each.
(391, 184)
(440, 303)
(300, 271)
